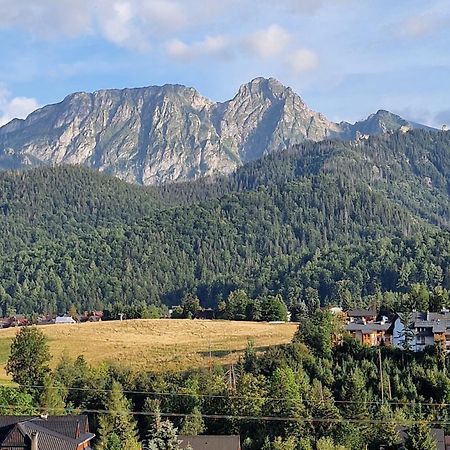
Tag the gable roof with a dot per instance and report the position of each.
(64, 319)
(435, 322)
(210, 442)
(361, 313)
(367, 328)
(54, 432)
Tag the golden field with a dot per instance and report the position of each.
(156, 345)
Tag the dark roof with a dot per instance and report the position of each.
(54, 432)
(361, 313)
(435, 322)
(210, 442)
(368, 327)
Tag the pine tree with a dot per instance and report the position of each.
(419, 438)
(162, 436)
(52, 397)
(193, 424)
(118, 422)
(326, 443)
(407, 334)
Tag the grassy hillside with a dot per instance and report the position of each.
(156, 345)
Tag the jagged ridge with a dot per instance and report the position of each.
(155, 134)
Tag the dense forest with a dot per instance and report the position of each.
(308, 395)
(344, 221)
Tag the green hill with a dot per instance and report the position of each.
(359, 217)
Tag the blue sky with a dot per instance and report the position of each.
(346, 58)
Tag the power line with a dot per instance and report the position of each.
(239, 417)
(232, 397)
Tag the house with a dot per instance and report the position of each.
(47, 319)
(363, 326)
(425, 329)
(64, 319)
(91, 316)
(210, 442)
(372, 334)
(45, 433)
(14, 321)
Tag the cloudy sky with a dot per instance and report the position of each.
(346, 58)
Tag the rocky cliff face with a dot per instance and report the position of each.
(170, 133)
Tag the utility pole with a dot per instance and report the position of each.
(381, 375)
(210, 356)
(231, 380)
(389, 388)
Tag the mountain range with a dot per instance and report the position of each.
(155, 135)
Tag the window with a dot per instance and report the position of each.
(420, 340)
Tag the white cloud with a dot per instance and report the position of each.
(128, 23)
(212, 46)
(164, 15)
(306, 6)
(302, 60)
(137, 23)
(118, 26)
(15, 107)
(269, 42)
(47, 18)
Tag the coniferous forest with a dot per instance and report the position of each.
(346, 223)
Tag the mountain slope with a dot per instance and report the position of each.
(370, 215)
(380, 122)
(171, 133)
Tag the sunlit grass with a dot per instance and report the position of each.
(155, 345)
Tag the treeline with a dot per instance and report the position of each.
(308, 395)
(238, 306)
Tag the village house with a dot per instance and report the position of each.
(18, 320)
(372, 334)
(47, 319)
(362, 325)
(64, 320)
(210, 442)
(45, 433)
(425, 329)
(91, 316)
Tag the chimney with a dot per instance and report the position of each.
(34, 440)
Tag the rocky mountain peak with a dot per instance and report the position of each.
(269, 88)
(168, 133)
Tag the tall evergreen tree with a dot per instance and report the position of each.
(118, 422)
(419, 437)
(162, 436)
